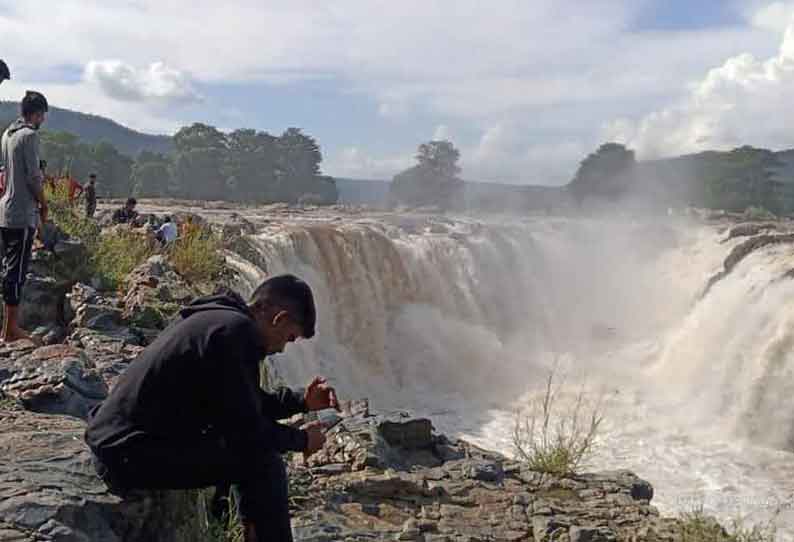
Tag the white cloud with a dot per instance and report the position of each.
(358, 163)
(504, 155)
(743, 101)
(86, 97)
(441, 133)
(500, 155)
(550, 71)
(774, 16)
(157, 82)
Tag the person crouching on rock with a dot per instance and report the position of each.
(126, 214)
(21, 206)
(189, 412)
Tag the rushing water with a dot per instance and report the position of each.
(461, 319)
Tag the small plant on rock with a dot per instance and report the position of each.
(696, 526)
(116, 254)
(197, 255)
(556, 434)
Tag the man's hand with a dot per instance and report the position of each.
(316, 438)
(319, 395)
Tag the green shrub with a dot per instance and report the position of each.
(116, 254)
(696, 526)
(197, 255)
(68, 218)
(229, 528)
(556, 435)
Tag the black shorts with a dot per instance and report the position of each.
(17, 246)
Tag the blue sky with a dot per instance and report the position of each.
(688, 15)
(524, 89)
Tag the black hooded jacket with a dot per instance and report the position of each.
(199, 377)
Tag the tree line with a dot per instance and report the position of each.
(735, 180)
(244, 166)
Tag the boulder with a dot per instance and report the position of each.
(155, 292)
(49, 491)
(236, 226)
(404, 432)
(56, 379)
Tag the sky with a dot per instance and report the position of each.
(524, 88)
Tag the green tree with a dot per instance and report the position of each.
(433, 180)
(297, 171)
(198, 167)
(112, 168)
(606, 173)
(151, 175)
(741, 178)
(66, 155)
(440, 157)
(251, 163)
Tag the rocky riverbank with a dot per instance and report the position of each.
(382, 476)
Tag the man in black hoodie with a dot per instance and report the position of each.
(189, 412)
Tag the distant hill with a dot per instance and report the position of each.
(93, 129)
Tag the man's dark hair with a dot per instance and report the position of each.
(132, 201)
(92, 176)
(289, 293)
(5, 73)
(167, 219)
(34, 102)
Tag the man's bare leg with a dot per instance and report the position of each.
(11, 330)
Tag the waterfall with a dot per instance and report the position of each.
(460, 318)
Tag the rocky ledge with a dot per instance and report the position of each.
(388, 476)
(385, 476)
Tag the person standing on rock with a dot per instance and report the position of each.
(189, 411)
(21, 206)
(90, 196)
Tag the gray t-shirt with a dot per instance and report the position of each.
(19, 152)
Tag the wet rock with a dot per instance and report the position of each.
(743, 250)
(751, 229)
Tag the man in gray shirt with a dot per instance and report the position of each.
(21, 205)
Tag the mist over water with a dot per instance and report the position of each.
(460, 319)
